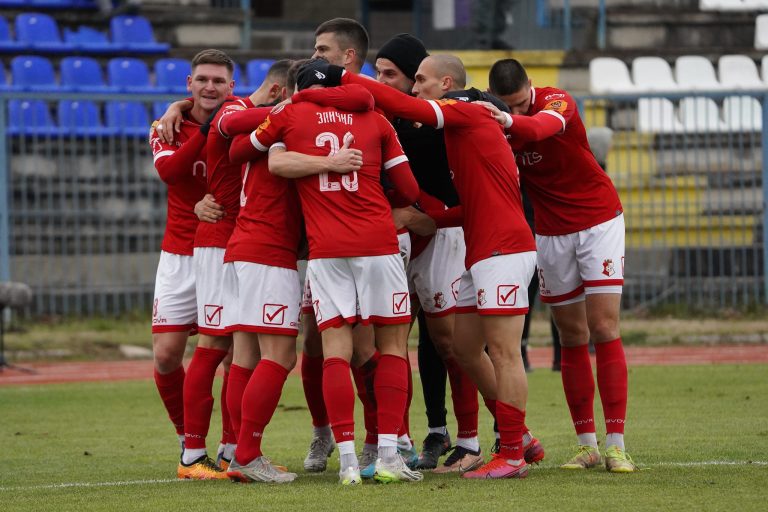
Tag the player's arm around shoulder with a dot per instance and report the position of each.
(292, 164)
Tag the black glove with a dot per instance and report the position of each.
(473, 94)
(206, 126)
(318, 72)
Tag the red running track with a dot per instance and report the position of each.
(540, 357)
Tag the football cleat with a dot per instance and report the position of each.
(533, 453)
(395, 470)
(618, 461)
(202, 469)
(319, 450)
(350, 476)
(586, 457)
(258, 470)
(410, 456)
(367, 458)
(499, 467)
(461, 460)
(434, 446)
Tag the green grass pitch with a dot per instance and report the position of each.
(699, 432)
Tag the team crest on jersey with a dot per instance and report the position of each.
(439, 300)
(446, 101)
(263, 126)
(481, 297)
(557, 106)
(608, 269)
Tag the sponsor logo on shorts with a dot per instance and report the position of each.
(506, 294)
(400, 303)
(274, 314)
(455, 288)
(156, 317)
(213, 315)
(439, 300)
(622, 266)
(481, 297)
(608, 269)
(316, 309)
(154, 308)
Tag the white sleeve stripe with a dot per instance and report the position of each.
(555, 114)
(277, 145)
(161, 154)
(218, 127)
(438, 113)
(395, 161)
(258, 145)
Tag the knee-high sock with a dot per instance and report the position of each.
(579, 387)
(227, 432)
(364, 382)
(405, 427)
(260, 400)
(198, 396)
(612, 383)
(171, 389)
(312, 379)
(392, 392)
(511, 421)
(339, 398)
(464, 396)
(433, 373)
(238, 380)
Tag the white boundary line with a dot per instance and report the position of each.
(126, 483)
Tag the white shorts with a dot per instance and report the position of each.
(211, 312)
(404, 242)
(262, 298)
(586, 262)
(435, 274)
(497, 285)
(366, 289)
(175, 307)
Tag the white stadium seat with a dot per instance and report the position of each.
(696, 73)
(653, 74)
(700, 115)
(764, 69)
(743, 114)
(739, 72)
(761, 32)
(657, 115)
(609, 75)
(733, 5)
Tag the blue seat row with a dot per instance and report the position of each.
(49, 4)
(40, 32)
(81, 118)
(32, 73)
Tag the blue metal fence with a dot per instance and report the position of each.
(82, 216)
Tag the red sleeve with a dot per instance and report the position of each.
(405, 189)
(241, 150)
(450, 218)
(353, 97)
(173, 163)
(537, 127)
(236, 120)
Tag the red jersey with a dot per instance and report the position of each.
(268, 228)
(426, 203)
(569, 190)
(483, 167)
(345, 215)
(223, 181)
(181, 165)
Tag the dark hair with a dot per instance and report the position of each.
(216, 57)
(507, 76)
(290, 78)
(350, 33)
(278, 72)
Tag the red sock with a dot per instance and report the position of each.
(511, 421)
(405, 426)
(238, 380)
(312, 379)
(198, 396)
(339, 398)
(171, 389)
(464, 397)
(612, 383)
(579, 387)
(260, 399)
(392, 392)
(364, 382)
(491, 405)
(227, 432)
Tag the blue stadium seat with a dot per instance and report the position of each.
(13, 4)
(4, 85)
(33, 73)
(159, 108)
(90, 40)
(52, 4)
(257, 71)
(82, 118)
(171, 75)
(31, 117)
(7, 43)
(40, 32)
(129, 75)
(369, 70)
(134, 33)
(83, 74)
(129, 118)
(242, 88)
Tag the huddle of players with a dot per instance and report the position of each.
(341, 151)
